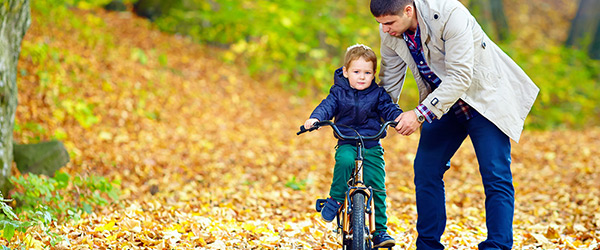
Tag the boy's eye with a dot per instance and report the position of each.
(356, 72)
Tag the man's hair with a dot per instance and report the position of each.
(388, 7)
(357, 51)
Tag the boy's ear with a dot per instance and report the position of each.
(345, 71)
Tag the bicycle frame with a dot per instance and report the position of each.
(356, 183)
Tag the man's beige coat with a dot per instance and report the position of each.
(470, 65)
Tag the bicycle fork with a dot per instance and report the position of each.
(359, 186)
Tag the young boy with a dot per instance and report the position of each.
(355, 100)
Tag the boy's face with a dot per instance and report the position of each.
(396, 25)
(360, 74)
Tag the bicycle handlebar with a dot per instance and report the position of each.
(339, 135)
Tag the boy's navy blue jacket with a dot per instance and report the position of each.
(362, 110)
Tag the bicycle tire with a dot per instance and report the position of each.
(359, 241)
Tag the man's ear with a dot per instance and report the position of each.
(409, 11)
(345, 71)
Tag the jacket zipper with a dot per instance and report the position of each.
(356, 104)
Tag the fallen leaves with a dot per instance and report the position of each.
(208, 158)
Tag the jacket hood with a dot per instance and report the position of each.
(340, 80)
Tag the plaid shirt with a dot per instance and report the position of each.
(461, 109)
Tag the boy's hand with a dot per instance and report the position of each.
(309, 123)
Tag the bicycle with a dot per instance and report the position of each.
(356, 217)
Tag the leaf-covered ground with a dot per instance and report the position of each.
(209, 158)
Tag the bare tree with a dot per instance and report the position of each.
(584, 27)
(595, 47)
(490, 14)
(15, 19)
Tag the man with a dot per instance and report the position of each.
(467, 86)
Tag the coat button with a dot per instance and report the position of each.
(483, 45)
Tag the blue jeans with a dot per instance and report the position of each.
(439, 141)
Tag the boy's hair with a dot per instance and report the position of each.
(360, 51)
(388, 7)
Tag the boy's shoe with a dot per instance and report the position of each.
(330, 209)
(383, 239)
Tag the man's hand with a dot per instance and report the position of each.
(407, 123)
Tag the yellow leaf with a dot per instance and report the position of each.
(318, 234)
(105, 136)
(248, 227)
(106, 227)
(112, 237)
(33, 243)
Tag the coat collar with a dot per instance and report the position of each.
(422, 15)
(422, 10)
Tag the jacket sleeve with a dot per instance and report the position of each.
(392, 71)
(387, 109)
(327, 109)
(459, 60)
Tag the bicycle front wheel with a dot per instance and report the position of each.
(360, 238)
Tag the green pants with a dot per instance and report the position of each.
(373, 176)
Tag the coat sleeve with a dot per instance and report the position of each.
(459, 60)
(392, 71)
(387, 109)
(327, 109)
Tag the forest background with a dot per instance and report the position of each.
(298, 43)
(181, 128)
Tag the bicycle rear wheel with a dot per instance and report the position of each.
(360, 239)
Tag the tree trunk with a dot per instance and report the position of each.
(499, 19)
(14, 22)
(585, 25)
(595, 47)
(490, 15)
(152, 9)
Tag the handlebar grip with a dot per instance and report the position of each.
(315, 126)
(302, 130)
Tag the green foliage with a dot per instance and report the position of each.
(52, 76)
(43, 201)
(569, 81)
(36, 128)
(299, 43)
(82, 111)
(82, 4)
(297, 184)
(63, 196)
(9, 222)
(59, 8)
(139, 55)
